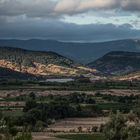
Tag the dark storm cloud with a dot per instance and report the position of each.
(41, 19)
(54, 8)
(131, 5)
(67, 32)
(31, 8)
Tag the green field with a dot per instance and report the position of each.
(83, 136)
(113, 106)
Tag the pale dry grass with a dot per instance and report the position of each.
(72, 124)
(69, 126)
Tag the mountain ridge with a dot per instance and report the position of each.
(117, 62)
(80, 52)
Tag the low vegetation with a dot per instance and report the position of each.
(79, 84)
(35, 112)
(83, 136)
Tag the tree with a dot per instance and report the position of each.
(116, 129)
(23, 136)
(32, 96)
(10, 132)
(1, 115)
(119, 127)
(31, 117)
(39, 126)
(80, 129)
(30, 104)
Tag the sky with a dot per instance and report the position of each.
(70, 20)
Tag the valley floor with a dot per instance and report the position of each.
(69, 128)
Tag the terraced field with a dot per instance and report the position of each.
(72, 124)
(42, 92)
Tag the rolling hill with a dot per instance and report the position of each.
(117, 63)
(129, 77)
(80, 52)
(40, 63)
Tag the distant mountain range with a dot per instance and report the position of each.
(20, 62)
(43, 58)
(117, 63)
(80, 52)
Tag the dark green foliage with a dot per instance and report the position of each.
(97, 85)
(82, 136)
(30, 104)
(116, 129)
(57, 107)
(30, 117)
(23, 136)
(119, 128)
(32, 96)
(9, 131)
(82, 80)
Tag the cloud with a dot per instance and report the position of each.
(85, 5)
(41, 19)
(34, 8)
(54, 8)
(66, 31)
(131, 5)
